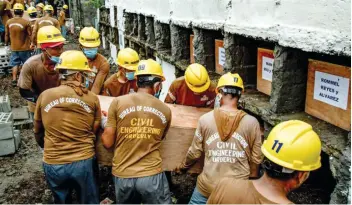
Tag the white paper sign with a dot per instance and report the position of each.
(331, 89)
(222, 57)
(267, 68)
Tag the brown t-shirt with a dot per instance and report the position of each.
(113, 87)
(35, 77)
(18, 31)
(32, 22)
(62, 17)
(101, 68)
(41, 22)
(142, 122)
(180, 94)
(224, 158)
(236, 191)
(68, 120)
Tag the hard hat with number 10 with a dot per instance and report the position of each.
(128, 59)
(73, 61)
(294, 145)
(89, 37)
(150, 67)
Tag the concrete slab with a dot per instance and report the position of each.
(6, 126)
(7, 146)
(20, 113)
(5, 105)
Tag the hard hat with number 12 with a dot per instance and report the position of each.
(128, 59)
(197, 78)
(150, 67)
(89, 37)
(230, 79)
(74, 61)
(294, 145)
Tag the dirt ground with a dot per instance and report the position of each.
(22, 179)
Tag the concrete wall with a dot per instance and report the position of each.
(315, 25)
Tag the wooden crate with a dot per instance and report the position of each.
(329, 93)
(175, 146)
(219, 56)
(191, 49)
(265, 62)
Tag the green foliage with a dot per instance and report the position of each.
(95, 3)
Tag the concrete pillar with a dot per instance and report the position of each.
(149, 30)
(241, 58)
(141, 28)
(289, 80)
(135, 25)
(204, 48)
(162, 36)
(128, 23)
(180, 42)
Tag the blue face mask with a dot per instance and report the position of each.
(157, 95)
(55, 59)
(130, 75)
(90, 52)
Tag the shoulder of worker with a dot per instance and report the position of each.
(178, 82)
(224, 191)
(111, 79)
(249, 119)
(207, 117)
(100, 60)
(32, 62)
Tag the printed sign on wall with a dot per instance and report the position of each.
(267, 68)
(221, 56)
(331, 89)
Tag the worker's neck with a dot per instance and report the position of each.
(145, 90)
(274, 190)
(229, 105)
(48, 64)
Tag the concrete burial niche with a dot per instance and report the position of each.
(180, 44)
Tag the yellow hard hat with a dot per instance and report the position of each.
(49, 34)
(74, 61)
(48, 8)
(18, 6)
(150, 67)
(65, 6)
(230, 79)
(197, 78)
(31, 10)
(41, 5)
(89, 37)
(128, 59)
(294, 145)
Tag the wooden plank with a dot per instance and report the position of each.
(191, 49)
(324, 111)
(263, 85)
(175, 146)
(219, 44)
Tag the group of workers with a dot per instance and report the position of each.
(21, 33)
(61, 88)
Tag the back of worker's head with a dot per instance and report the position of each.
(127, 60)
(230, 88)
(150, 75)
(292, 150)
(18, 9)
(197, 78)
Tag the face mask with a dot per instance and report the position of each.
(90, 52)
(157, 95)
(130, 75)
(218, 100)
(54, 59)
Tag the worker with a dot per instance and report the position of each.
(136, 125)
(229, 138)
(47, 20)
(194, 89)
(123, 82)
(291, 151)
(38, 72)
(68, 141)
(32, 12)
(18, 31)
(6, 14)
(89, 40)
(62, 20)
(14, 2)
(40, 8)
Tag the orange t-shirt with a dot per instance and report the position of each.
(180, 94)
(41, 22)
(227, 156)
(100, 67)
(113, 87)
(62, 17)
(68, 119)
(236, 191)
(18, 31)
(141, 123)
(35, 77)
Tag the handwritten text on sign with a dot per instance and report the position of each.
(267, 68)
(331, 89)
(222, 56)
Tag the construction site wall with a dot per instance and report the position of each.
(302, 38)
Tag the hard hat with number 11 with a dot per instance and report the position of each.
(294, 145)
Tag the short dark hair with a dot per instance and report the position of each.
(18, 12)
(144, 81)
(33, 15)
(276, 171)
(231, 90)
